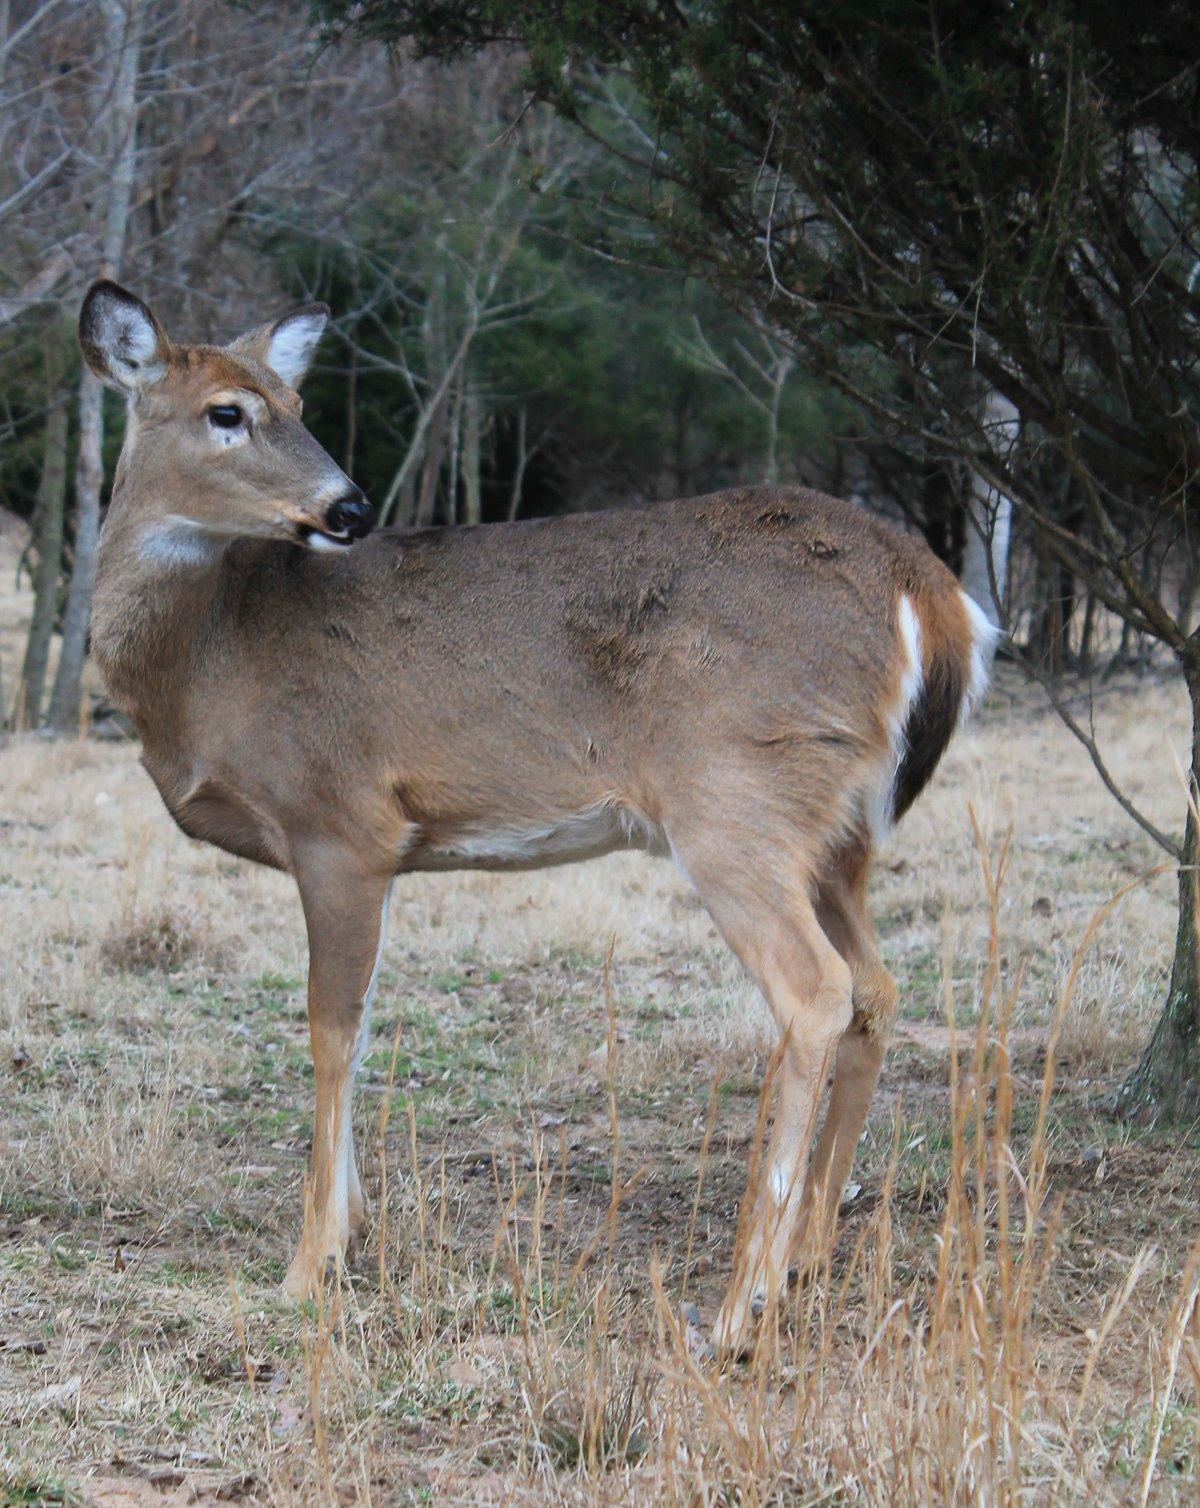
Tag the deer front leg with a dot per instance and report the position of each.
(356, 1202)
(344, 909)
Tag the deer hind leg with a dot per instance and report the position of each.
(842, 911)
(344, 911)
(773, 929)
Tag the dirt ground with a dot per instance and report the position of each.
(555, 1123)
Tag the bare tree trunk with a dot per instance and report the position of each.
(405, 507)
(66, 698)
(944, 511)
(472, 436)
(48, 527)
(1166, 1083)
(518, 482)
(124, 20)
(1047, 624)
(427, 488)
(435, 444)
(1187, 596)
(780, 373)
(455, 449)
(985, 549)
(1087, 635)
(989, 522)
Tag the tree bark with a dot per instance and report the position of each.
(779, 373)
(1166, 1083)
(66, 698)
(123, 28)
(472, 434)
(1087, 635)
(48, 534)
(454, 449)
(431, 470)
(944, 515)
(985, 550)
(1047, 627)
(989, 524)
(518, 481)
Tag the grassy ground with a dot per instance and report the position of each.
(556, 1121)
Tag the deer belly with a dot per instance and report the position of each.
(506, 844)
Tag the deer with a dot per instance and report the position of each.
(756, 683)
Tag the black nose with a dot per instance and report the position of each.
(351, 514)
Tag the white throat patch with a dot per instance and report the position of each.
(177, 542)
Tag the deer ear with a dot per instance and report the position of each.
(121, 340)
(287, 346)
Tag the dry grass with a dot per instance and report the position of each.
(1008, 1316)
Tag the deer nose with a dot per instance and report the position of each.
(351, 514)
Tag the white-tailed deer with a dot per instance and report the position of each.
(757, 683)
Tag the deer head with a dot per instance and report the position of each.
(214, 444)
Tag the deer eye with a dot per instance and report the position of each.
(225, 416)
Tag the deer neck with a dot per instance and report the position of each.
(156, 579)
